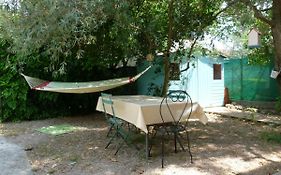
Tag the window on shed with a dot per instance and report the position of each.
(174, 71)
(217, 71)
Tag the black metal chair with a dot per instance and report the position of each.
(115, 123)
(175, 119)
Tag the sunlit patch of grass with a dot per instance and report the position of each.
(271, 136)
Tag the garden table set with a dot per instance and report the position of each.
(143, 111)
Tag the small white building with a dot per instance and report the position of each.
(204, 81)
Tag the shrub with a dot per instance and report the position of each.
(13, 94)
(18, 102)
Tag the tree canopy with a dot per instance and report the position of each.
(106, 32)
(264, 15)
(61, 37)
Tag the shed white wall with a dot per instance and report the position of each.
(199, 83)
(211, 92)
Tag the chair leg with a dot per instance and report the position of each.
(178, 138)
(150, 145)
(120, 145)
(110, 129)
(129, 127)
(162, 151)
(111, 139)
(108, 143)
(175, 142)
(188, 144)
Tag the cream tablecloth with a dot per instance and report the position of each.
(142, 110)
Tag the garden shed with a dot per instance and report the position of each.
(203, 80)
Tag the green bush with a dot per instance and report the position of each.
(18, 102)
(13, 95)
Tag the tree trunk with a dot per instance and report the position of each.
(166, 74)
(167, 52)
(276, 33)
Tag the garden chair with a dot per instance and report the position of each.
(116, 124)
(172, 123)
(111, 119)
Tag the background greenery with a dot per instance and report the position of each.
(86, 40)
(18, 102)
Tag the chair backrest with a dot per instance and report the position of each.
(176, 105)
(107, 104)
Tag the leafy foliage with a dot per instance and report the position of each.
(13, 95)
(18, 102)
(167, 25)
(57, 30)
(86, 40)
(265, 53)
(189, 20)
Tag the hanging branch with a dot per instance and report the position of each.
(230, 4)
(190, 53)
(258, 13)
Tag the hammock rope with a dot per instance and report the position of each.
(79, 87)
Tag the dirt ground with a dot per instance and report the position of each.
(224, 146)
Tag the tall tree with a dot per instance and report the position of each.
(59, 30)
(265, 15)
(114, 30)
(268, 15)
(166, 24)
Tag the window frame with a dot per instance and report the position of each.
(217, 72)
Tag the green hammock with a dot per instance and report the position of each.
(79, 87)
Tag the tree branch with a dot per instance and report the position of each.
(257, 12)
(230, 4)
(265, 10)
(190, 53)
